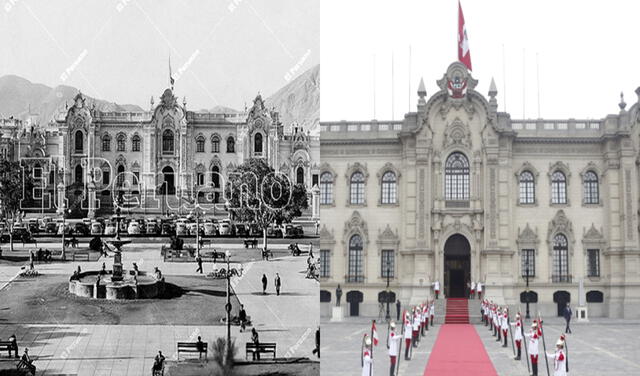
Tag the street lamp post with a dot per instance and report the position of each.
(228, 305)
(64, 227)
(526, 278)
(388, 315)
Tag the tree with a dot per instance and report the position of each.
(16, 185)
(257, 194)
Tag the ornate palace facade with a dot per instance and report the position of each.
(159, 158)
(458, 192)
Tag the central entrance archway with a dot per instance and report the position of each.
(457, 266)
(168, 184)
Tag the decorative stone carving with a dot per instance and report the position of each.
(457, 134)
(560, 224)
(593, 236)
(355, 225)
(527, 238)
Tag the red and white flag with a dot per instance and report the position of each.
(374, 334)
(464, 55)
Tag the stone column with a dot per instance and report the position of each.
(60, 188)
(315, 202)
(91, 187)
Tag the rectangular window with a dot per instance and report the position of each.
(528, 266)
(594, 262)
(136, 177)
(325, 263)
(387, 263)
(560, 266)
(106, 144)
(357, 193)
(355, 266)
(106, 177)
(314, 179)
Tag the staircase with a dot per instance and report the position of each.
(457, 311)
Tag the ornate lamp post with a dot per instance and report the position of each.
(526, 278)
(388, 315)
(228, 305)
(64, 229)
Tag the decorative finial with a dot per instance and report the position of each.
(184, 101)
(422, 92)
(493, 91)
(622, 104)
(151, 100)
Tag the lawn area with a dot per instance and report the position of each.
(190, 300)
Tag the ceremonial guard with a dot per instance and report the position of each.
(416, 326)
(505, 326)
(498, 324)
(367, 357)
(423, 316)
(559, 360)
(473, 289)
(436, 288)
(479, 289)
(517, 336)
(534, 336)
(394, 343)
(408, 331)
(432, 311)
(426, 315)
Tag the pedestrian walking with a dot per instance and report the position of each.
(278, 283)
(264, 284)
(199, 261)
(567, 317)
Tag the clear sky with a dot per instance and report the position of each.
(587, 54)
(222, 52)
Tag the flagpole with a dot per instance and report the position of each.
(504, 80)
(523, 85)
(392, 90)
(374, 86)
(538, 83)
(409, 79)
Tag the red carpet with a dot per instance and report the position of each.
(457, 311)
(458, 351)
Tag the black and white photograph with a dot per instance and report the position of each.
(159, 187)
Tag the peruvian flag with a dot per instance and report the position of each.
(464, 55)
(374, 334)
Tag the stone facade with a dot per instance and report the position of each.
(459, 192)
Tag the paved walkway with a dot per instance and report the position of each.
(290, 319)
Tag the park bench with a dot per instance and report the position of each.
(80, 255)
(192, 347)
(250, 242)
(5, 346)
(260, 348)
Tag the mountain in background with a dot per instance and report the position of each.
(18, 94)
(298, 101)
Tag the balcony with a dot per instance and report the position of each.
(457, 204)
(355, 278)
(562, 278)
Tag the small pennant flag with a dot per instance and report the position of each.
(464, 54)
(375, 334)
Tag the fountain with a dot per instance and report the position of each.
(117, 284)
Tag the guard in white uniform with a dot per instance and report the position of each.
(479, 289)
(367, 357)
(505, 326)
(408, 331)
(559, 360)
(534, 337)
(394, 343)
(517, 335)
(436, 288)
(473, 289)
(416, 326)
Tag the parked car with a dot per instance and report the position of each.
(43, 222)
(191, 228)
(133, 228)
(167, 228)
(51, 228)
(255, 230)
(81, 229)
(293, 231)
(274, 231)
(225, 228)
(242, 230)
(110, 229)
(210, 229)
(151, 228)
(96, 228)
(181, 228)
(33, 227)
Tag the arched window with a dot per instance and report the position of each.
(560, 259)
(300, 175)
(79, 142)
(120, 179)
(326, 188)
(121, 143)
(231, 145)
(591, 195)
(79, 174)
(389, 188)
(355, 272)
(356, 188)
(135, 143)
(215, 176)
(167, 142)
(257, 143)
(200, 144)
(106, 143)
(558, 188)
(456, 173)
(215, 144)
(527, 188)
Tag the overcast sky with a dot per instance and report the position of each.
(587, 54)
(222, 52)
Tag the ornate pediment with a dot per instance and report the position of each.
(355, 225)
(325, 234)
(168, 100)
(593, 235)
(527, 237)
(457, 134)
(560, 224)
(387, 235)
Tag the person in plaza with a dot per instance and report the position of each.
(534, 337)
(199, 261)
(157, 273)
(316, 350)
(27, 361)
(256, 341)
(517, 335)
(559, 359)
(479, 289)
(31, 260)
(432, 311)
(436, 288)
(398, 307)
(278, 283)
(393, 345)
(407, 335)
(505, 326)
(416, 326)
(242, 316)
(158, 363)
(367, 357)
(13, 346)
(567, 317)
(424, 314)
(264, 284)
(483, 316)
(135, 268)
(473, 289)
(311, 250)
(468, 291)
(200, 344)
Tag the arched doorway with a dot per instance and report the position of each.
(168, 184)
(457, 266)
(354, 298)
(561, 298)
(300, 175)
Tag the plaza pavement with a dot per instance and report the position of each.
(599, 347)
(289, 320)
